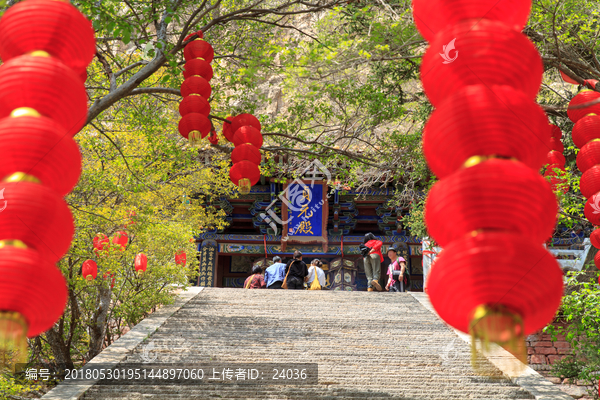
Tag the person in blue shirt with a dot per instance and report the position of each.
(275, 274)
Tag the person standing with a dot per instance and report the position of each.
(256, 280)
(315, 269)
(297, 272)
(372, 257)
(275, 274)
(395, 282)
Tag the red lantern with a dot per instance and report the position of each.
(488, 54)
(180, 258)
(194, 122)
(41, 148)
(479, 121)
(586, 129)
(248, 134)
(433, 16)
(589, 155)
(198, 48)
(141, 263)
(37, 216)
(120, 238)
(101, 242)
(556, 132)
(590, 181)
(590, 83)
(194, 104)
(245, 120)
(557, 145)
(227, 129)
(595, 238)
(568, 79)
(46, 85)
(496, 268)
(198, 67)
(583, 97)
(555, 157)
(597, 260)
(244, 174)
(592, 209)
(57, 28)
(89, 270)
(32, 287)
(196, 85)
(492, 195)
(246, 152)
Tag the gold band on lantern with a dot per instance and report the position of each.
(497, 324)
(13, 338)
(474, 160)
(21, 177)
(24, 112)
(12, 243)
(39, 53)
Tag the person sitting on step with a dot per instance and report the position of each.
(296, 271)
(315, 268)
(275, 274)
(256, 280)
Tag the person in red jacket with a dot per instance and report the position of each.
(372, 260)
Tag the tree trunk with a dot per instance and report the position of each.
(98, 325)
(60, 350)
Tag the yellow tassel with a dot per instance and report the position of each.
(497, 324)
(13, 339)
(244, 186)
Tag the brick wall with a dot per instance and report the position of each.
(542, 352)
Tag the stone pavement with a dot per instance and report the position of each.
(367, 345)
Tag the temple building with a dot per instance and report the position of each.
(313, 217)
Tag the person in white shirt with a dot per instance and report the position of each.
(315, 265)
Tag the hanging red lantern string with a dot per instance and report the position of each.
(46, 47)
(89, 270)
(556, 160)
(196, 90)
(485, 114)
(141, 263)
(246, 157)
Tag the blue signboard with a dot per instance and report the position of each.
(305, 210)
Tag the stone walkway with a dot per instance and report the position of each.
(367, 345)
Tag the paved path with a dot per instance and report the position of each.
(367, 345)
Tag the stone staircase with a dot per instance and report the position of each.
(367, 345)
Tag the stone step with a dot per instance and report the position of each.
(366, 344)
